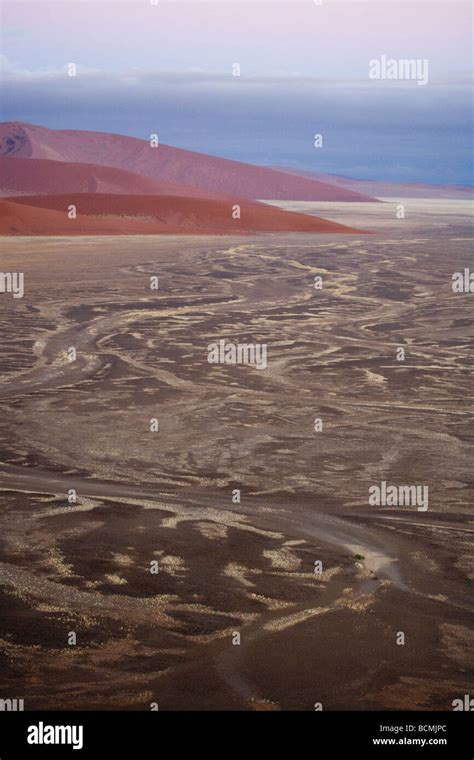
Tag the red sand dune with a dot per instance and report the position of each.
(99, 214)
(166, 164)
(41, 176)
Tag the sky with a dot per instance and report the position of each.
(167, 68)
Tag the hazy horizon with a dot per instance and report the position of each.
(302, 72)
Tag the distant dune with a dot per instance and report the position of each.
(110, 214)
(165, 164)
(40, 176)
(380, 189)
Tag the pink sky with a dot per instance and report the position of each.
(331, 40)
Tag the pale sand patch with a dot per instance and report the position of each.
(212, 530)
(374, 378)
(283, 558)
(356, 603)
(262, 705)
(311, 576)
(326, 575)
(239, 573)
(55, 560)
(116, 580)
(271, 604)
(171, 564)
(185, 514)
(46, 607)
(123, 560)
(298, 617)
(83, 505)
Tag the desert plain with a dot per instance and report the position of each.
(278, 586)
